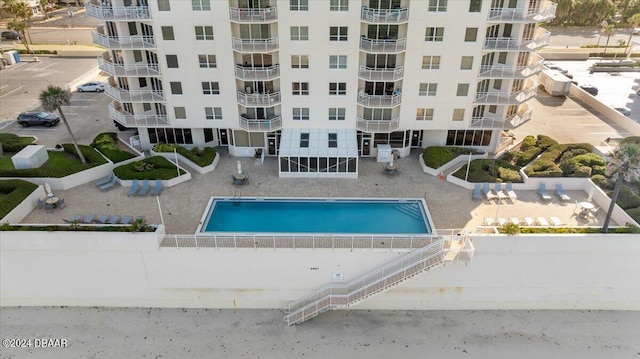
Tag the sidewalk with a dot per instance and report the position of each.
(61, 50)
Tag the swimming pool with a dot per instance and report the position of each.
(313, 215)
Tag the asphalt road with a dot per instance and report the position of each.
(577, 37)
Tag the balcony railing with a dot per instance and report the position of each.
(379, 100)
(255, 45)
(261, 125)
(124, 70)
(256, 99)
(512, 72)
(116, 13)
(375, 45)
(134, 95)
(506, 97)
(384, 16)
(507, 43)
(375, 74)
(130, 120)
(546, 12)
(123, 42)
(377, 125)
(257, 73)
(247, 15)
(496, 122)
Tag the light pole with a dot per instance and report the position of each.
(603, 25)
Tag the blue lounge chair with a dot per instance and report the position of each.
(109, 184)
(542, 191)
(126, 220)
(104, 218)
(500, 193)
(114, 219)
(560, 193)
(509, 190)
(145, 188)
(476, 192)
(104, 180)
(75, 219)
(488, 193)
(134, 188)
(157, 188)
(89, 219)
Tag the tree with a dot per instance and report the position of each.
(633, 22)
(608, 30)
(45, 5)
(20, 12)
(53, 98)
(623, 166)
(20, 27)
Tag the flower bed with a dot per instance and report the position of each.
(201, 158)
(106, 144)
(13, 193)
(150, 168)
(60, 163)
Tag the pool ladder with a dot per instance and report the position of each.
(237, 194)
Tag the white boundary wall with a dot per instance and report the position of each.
(128, 269)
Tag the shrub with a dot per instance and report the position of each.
(106, 144)
(489, 170)
(527, 156)
(627, 199)
(15, 192)
(582, 171)
(91, 155)
(545, 142)
(509, 175)
(635, 214)
(602, 182)
(194, 155)
(14, 143)
(162, 169)
(528, 142)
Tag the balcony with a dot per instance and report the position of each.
(384, 16)
(496, 122)
(540, 39)
(380, 74)
(546, 12)
(128, 120)
(247, 15)
(123, 42)
(117, 13)
(377, 125)
(501, 71)
(388, 45)
(128, 70)
(367, 100)
(123, 95)
(255, 45)
(506, 97)
(257, 73)
(259, 100)
(260, 125)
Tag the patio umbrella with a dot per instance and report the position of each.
(593, 189)
(391, 161)
(47, 189)
(239, 167)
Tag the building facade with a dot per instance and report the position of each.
(356, 73)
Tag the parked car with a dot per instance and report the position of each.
(623, 110)
(636, 31)
(91, 87)
(592, 90)
(10, 35)
(47, 119)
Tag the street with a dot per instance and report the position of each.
(577, 37)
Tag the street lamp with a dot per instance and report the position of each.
(603, 25)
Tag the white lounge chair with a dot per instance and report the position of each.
(529, 221)
(509, 190)
(514, 220)
(556, 221)
(500, 193)
(560, 193)
(542, 221)
(502, 221)
(488, 221)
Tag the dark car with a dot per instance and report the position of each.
(47, 119)
(10, 35)
(592, 90)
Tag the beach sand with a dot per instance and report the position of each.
(214, 333)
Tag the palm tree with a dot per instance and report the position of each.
(53, 98)
(608, 30)
(624, 165)
(633, 22)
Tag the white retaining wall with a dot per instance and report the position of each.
(172, 157)
(447, 166)
(25, 207)
(613, 115)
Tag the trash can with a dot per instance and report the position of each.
(16, 56)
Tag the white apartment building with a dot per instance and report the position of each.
(321, 83)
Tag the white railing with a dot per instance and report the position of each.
(255, 45)
(511, 72)
(507, 43)
(261, 125)
(376, 74)
(373, 45)
(386, 16)
(124, 70)
(256, 99)
(253, 15)
(509, 122)
(123, 42)
(257, 73)
(506, 97)
(130, 120)
(133, 95)
(377, 125)
(545, 12)
(379, 100)
(114, 13)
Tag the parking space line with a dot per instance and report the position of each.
(10, 92)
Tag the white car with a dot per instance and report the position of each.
(91, 87)
(623, 110)
(636, 31)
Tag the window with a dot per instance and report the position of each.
(437, 5)
(468, 138)
(170, 135)
(338, 33)
(167, 33)
(213, 113)
(430, 62)
(463, 90)
(204, 32)
(304, 140)
(424, 114)
(210, 88)
(475, 5)
(176, 88)
(337, 114)
(299, 33)
(172, 61)
(299, 61)
(333, 140)
(207, 61)
(300, 88)
(300, 114)
(471, 34)
(428, 89)
(163, 5)
(298, 5)
(458, 114)
(200, 5)
(497, 84)
(434, 34)
(180, 112)
(339, 5)
(338, 61)
(466, 63)
(337, 88)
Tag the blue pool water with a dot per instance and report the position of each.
(317, 216)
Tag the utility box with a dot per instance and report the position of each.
(11, 57)
(384, 153)
(554, 82)
(32, 156)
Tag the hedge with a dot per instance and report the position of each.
(16, 191)
(489, 170)
(635, 214)
(547, 164)
(437, 156)
(627, 199)
(14, 143)
(60, 164)
(156, 167)
(106, 143)
(201, 159)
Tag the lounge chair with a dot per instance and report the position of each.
(61, 203)
(89, 219)
(488, 221)
(500, 193)
(488, 193)
(542, 191)
(528, 221)
(75, 219)
(556, 221)
(502, 221)
(542, 221)
(145, 188)
(126, 220)
(157, 188)
(139, 219)
(114, 219)
(104, 180)
(476, 191)
(104, 218)
(560, 193)
(134, 188)
(109, 184)
(49, 207)
(40, 203)
(514, 220)
(509, 190)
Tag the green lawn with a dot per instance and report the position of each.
(60, 164)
